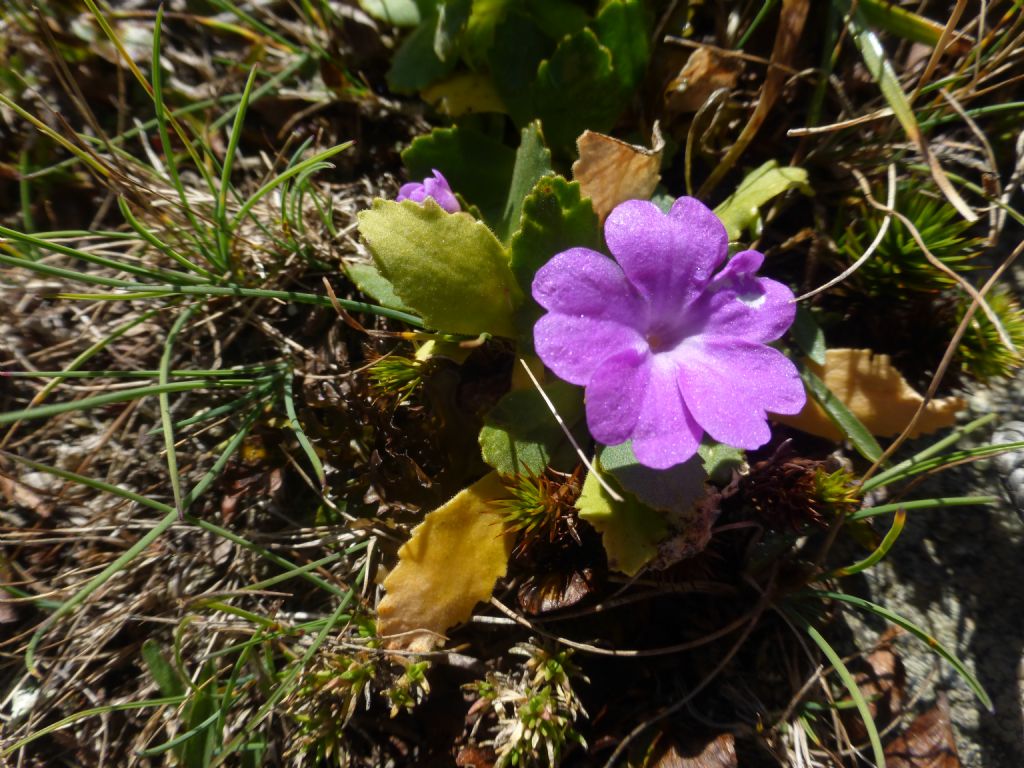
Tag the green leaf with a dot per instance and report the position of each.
(808, 335)
(400, 13)
(165, 675)
(478, 167)
(740, 211)
(555, 217)
(452, 16)
(577, 89)
(520, 433)
(720, 460)
(416, 63)
(863, 441)
(519, 47)
(558, 18)
(480, 29)
(672, 490)
(886, 15)
(368, 279)
(449, 267)
(533, 162)
(623, 27)
(629, 530)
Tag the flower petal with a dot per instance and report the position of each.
(668, 257)
(666, 432)
(636, 396)
(730, 384)
(614, 394)
(573, 346)
(739, 304)
(580, 281)
(439, 189)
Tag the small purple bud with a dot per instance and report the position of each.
(435, 187)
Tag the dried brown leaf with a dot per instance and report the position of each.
(449, 565)
(611, 171)
(876, 393)
(882, 680)
(719, 752)
(20, 495)
(706, 71)
(927, 743)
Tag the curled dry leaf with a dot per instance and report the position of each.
(706, 71)
(876, 393)
(449, 565)
(610, 171)
(927, 743)
(717, 752)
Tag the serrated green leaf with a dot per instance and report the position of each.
(808, 335)
(448, 267)
(163, 672)
(577, 89)
(554, 217)
(478, 167)
(416, 63)
(400, 13)
(741, 209)
(533, 162)
(623, 27)
(673, 490)
(630, 531)
(368, 279)
(521, 435)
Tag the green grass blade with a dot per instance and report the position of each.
(100, 261)
(863, 441)
(296, 427)
(143, 290)
(98, 401)
(850, 684)
(947, 460)
(85, 714)
(935, 448)
(160, 245)
(169, 519)
(917, 632)
(946, 501)
(899, 520)
(295, 170)
(165, 405)
(220, 212)
(881, 71)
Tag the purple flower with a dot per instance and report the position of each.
(436, 188)
(666, 349)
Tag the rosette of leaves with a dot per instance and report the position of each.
(556, 60)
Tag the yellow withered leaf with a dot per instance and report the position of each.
(610, 171)
(449, 565)
(876, 393)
